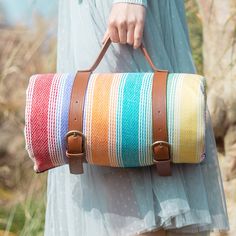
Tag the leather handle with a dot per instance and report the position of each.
(104, 49)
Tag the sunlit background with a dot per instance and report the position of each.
(28, 30)
(22, 12)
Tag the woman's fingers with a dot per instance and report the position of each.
(126, 24)
(130, 32)
(122, 31)
(113, 32)
(138, 32)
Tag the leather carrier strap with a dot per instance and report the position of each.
(75, 138)
(160, 146)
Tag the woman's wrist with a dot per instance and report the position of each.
(139, 2)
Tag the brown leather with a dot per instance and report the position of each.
(161, 148)
(75, 139)
(104, 49)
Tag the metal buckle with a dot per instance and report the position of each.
(161, 143)
(75, 133)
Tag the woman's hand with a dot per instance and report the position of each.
(126, 24)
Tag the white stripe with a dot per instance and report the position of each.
(51, 121)
(171, 109)
(149, 121)
(177, 112)
(112, 119)
(119, 112)
(28, 114)
(59, 112)
(144, 155)
(140, 120)
(88, 116)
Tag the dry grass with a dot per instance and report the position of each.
(23, 52)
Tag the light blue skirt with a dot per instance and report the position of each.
(108, 201)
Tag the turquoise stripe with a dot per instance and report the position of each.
(130, 119)
(145, 132)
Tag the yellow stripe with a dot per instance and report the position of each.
(176, 138)
(188, 119)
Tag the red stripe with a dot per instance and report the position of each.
(39, 121)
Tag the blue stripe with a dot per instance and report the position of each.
(130, 119)
(63, 117)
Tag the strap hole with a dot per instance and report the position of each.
(160, 129)
(159, 111)
(76, 101)
(75, 119)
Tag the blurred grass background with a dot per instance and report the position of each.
(25, 51)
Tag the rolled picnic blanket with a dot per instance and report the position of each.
(117, 119)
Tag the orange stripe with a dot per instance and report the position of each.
(100, 115)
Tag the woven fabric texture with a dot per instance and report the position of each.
(117, 119)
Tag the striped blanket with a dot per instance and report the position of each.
(117, 119)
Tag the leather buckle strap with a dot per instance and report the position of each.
(160, 145)
(75, 138)
(163, 160)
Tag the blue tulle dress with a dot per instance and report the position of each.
(124, 202)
